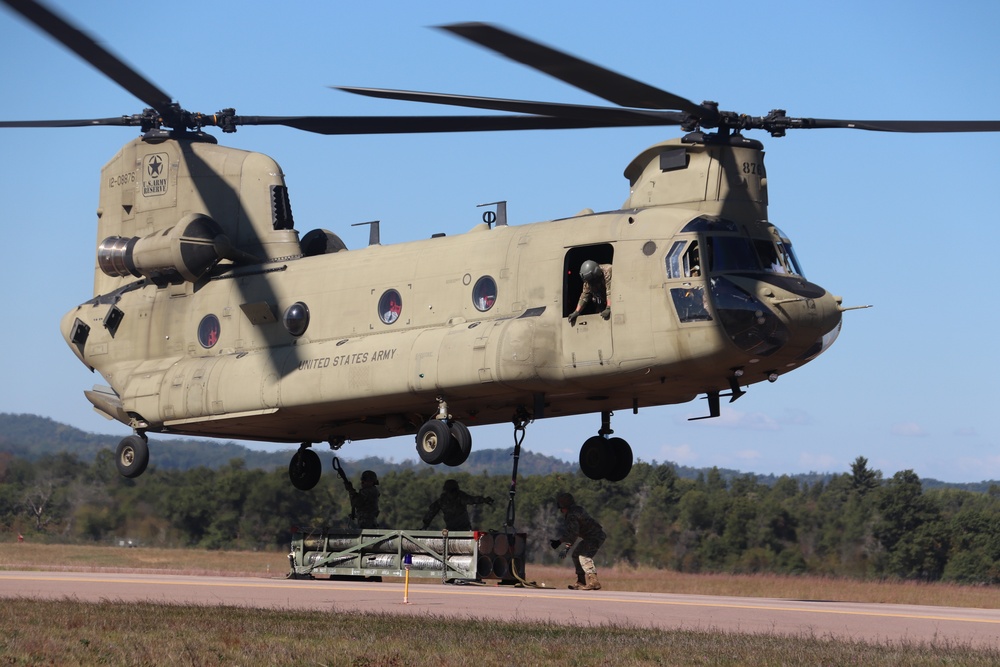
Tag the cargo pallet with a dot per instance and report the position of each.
(450, 556)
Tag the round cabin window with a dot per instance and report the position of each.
(484, 294)
(390, 306)
(208, 331)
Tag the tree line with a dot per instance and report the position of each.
(854, 524)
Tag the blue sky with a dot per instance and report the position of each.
(908, 223)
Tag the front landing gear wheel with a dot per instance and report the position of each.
(132, 456)
(606, 458)
(621, 460)
(305, 469)
(434, 441)
(595, 457)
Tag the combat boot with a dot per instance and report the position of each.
(578, 585)
(592, 583)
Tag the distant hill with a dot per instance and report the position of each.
(32, 437)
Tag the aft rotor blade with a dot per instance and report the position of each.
(604, 115)
(604, 83)
(85, 47)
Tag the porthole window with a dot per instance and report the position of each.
(296, 318)
(484, 294)
(390, 306)
(208, 331)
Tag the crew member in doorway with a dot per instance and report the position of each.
(364, 503)
(578, 524)
(596, 289)
(453, 503)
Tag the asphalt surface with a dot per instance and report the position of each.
(841, 620)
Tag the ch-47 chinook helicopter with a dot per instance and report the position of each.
(212, 316)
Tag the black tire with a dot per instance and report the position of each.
(434, 441)
(305, 469)
(132, 456)
(594, 457)
(621, 460)
(461, 445)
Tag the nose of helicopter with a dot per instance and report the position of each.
(813, 321)
(783, 318)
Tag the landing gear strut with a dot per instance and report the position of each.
(443, 440)
(607, 458)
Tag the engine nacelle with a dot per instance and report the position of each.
(188, 249)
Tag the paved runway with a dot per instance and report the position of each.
(842, 620)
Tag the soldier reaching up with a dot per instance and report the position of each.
(452, 504)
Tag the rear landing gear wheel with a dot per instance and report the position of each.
(595, 457)
(461, 444)
(434, 441)
(305, 469)
(606, 458)
(132, 456)
(621, 460)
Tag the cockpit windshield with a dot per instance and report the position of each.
(729, 246)
(738, 253)
(785, 249)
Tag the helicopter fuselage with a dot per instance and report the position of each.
(265, 342)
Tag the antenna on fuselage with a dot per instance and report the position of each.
(373, 238)
(498, 217)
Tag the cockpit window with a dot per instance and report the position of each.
(770, 260)
(792, 262)
(731, 253)
(683, 264)
(786, 252)
(736, 253)
(674, 260)
(706, 223)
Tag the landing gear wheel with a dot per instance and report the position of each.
(434, 441)
(461, 445)
(132, 456)
(621, 459)
(305, 469)
(595, 457)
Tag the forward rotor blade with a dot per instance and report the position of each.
(604, 115)
(604, 83)
(84, 122)
(900, 125)
(416, 124)
(92, 52)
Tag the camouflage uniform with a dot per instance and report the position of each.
(364, 503)
(452, 504)
(600, 297)
(578, 524)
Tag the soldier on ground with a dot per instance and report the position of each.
(452, 504)
(364, 503)
(578, 524)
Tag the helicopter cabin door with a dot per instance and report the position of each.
(588, 341)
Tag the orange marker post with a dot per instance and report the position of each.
(407, 561)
